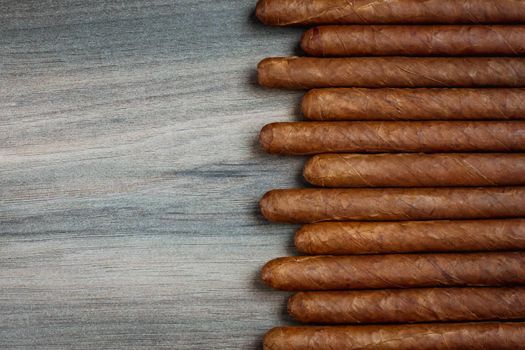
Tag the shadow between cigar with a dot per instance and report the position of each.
(296, 113)
(290, 230)
(284, 317)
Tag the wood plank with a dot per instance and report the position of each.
(130, 174)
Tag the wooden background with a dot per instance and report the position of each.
(130, 174)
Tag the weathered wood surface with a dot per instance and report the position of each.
(130, 174)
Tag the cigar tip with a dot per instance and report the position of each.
(264, 63)
(263, 69)
(265, 204)
(266, 137)
(309, 170)
(300, 239)
(310, 105)
(310, 41)
(261, 12)
(305, 104)
(267, 273)
(270, 272)
(294, 305)
(272, 339)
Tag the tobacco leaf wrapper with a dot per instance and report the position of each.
(310, 72)
(300, 138)
(448, 336)
(355, 237)
(309, 205)
(409, 305)
(308, 12)
(413, 104)
(373, 40)
(304, 273)
(415, 170)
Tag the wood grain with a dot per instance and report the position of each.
(130, 174)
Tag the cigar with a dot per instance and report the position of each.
(327, 272)
(370, 40)
(416, 170)
(409, 305)
(413, 104)
(308, 12)
(300, 138)
(447, 336)
(309, 205)
(340, 238)
(310, 72)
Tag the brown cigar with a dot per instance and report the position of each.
(413, 104)
(298, 138)
(308, 12)
(409, 305)
(414, 40)
(308, 205)
(326, 272)
(410, 236)
(448, 336)
(416, 170)
(309, 72)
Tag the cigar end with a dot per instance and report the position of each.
(300, 240)
(272, 339)
(310, 105)
(310, 42)
(305, 104)
(310, 171)
(271, 274)
(261, 12)
(267, 272)
(264, 69)
(266, 137)
(266, 204)
(295, 305)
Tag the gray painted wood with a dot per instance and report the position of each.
(130, 174)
